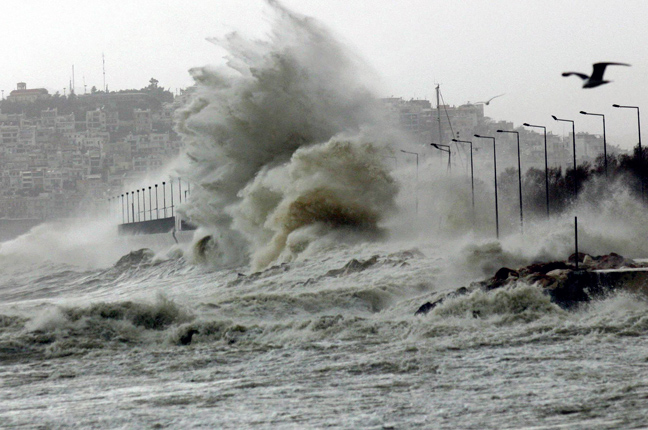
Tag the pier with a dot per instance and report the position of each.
(152, 209)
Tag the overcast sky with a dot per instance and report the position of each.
(474, 49)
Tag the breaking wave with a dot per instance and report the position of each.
(286, 137)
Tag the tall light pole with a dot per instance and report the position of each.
(574, 149)
(472, 175)
(517, 135)
(495, 175)
(417, 175)
(604, 140)
(546, 163)
(641, 173)
(444, 148)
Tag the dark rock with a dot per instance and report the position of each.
(135, 258)
(353, 266)
(544, 268)
(504, 273)
(543, 280)
(612, 261)
(501, 278)
(581, 257)
(567, 287)
(186, 338)
(573, 291)
(427, 307)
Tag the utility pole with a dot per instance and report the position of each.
(103, 60)
(438, 91)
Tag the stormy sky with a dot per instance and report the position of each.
(474, 49)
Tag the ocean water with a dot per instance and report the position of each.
(305, 345)
(292, 306)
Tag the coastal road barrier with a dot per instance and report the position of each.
(152, 209)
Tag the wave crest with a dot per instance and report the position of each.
(289, 135)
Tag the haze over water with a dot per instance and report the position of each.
(293, 179)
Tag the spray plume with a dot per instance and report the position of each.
(284, 138)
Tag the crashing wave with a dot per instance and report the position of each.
(287, 136)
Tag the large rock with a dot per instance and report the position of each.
(135, 258)
(567, 286)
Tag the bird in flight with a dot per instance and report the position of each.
(487, 102)
(597, 74)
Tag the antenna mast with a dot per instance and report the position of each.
(438, 90)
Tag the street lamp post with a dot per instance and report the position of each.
(605, 163)
(133, 204)
(157, 208)
(127, 207)
(164, 197)
(495, 176)
(444, 148)
(641, 173)
(517, 135)
(574, 149)
(417, 175)
(546, 163)
(472, 175)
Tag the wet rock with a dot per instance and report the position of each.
(567, 287)
(428, 306)
(544, 268)
(353, 266)
(572, 258)
(543, 281)
(613, 261)
(572, 291)
(559, 274)
(186, 338)
(135, 258)
(502, 277)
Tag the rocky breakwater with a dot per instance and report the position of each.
(567, 283)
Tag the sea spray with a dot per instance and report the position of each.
(337, 184)
(287, 136)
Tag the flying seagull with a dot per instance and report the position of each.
(487, 102)
(597, 74)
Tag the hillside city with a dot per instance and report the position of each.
(61, 155)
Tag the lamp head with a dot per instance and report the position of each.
(554, 117)
(500, 131)
(476, 135)
(526, 124)
(616, 106)
(583, 112)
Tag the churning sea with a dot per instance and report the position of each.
(313, 343)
